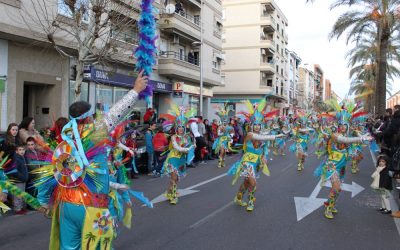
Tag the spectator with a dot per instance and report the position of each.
(32, 155)
(385, 183)
(57, 129)
(196, 127)
(160, 144)
(10, 141)
(179, 8)
(19, 178)
(27, 129)
(208, 139)
(392, 129)
(149, 147)
(191, 58)
(148, 116)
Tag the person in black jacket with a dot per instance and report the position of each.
(20, 177)
(391, 130)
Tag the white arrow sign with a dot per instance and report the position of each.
(188, 190)
(307, 205)
(354, 188)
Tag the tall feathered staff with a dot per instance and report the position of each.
(147, 49)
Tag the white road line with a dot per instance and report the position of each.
(393, 203)
(207, 181)
(202, 221)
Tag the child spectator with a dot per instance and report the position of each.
(20, 177)
(385, 183)
(32, 156)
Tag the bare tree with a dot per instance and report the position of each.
(86, 31)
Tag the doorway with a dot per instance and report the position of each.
(39, 103)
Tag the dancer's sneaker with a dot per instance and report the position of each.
(173, 201)
(239, 202)
(328, 213)
(250, 206)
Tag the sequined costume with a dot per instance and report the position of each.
(333, 168)
(181, 150)
(75, 182)
(254, 159)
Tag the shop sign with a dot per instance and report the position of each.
(181, 87)
(121, 80)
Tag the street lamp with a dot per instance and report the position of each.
(200, 44)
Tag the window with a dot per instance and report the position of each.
(269, 82)
(104, 97)
(282, 72)
(129, 34)
(277, 69)
(84, 92)
(277, 27)
(63, 9)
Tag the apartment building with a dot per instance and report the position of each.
(306, 87)
(327, 90)
(36, 80)
(293, 89)
(254, 42)
(319, 83)
(191, 49)
(393, 100)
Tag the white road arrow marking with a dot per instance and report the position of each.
(307, 205)
(181, 192)
(354, 188)
(188, 190)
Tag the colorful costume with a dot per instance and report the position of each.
(254, 158)
(334, 167)
(223, 143)
(302, 137)
(75, 182)
(181, 151)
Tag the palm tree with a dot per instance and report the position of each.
(381, 15)
(106, 241)
(90, 237)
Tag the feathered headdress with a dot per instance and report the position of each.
(179, 114)
(256, 113)
(223, 111)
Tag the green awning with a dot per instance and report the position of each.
(2, 85)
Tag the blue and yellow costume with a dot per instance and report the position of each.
(301, 137)
(334, 166)
(223, 142)
(254, 159)
(181, 151)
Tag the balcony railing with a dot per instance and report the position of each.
(190, 18)
(179, 56)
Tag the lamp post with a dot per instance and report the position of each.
(200, 44)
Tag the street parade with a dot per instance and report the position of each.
(138, 158)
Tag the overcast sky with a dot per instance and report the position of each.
(309, 26)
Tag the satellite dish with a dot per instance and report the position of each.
(170, 9)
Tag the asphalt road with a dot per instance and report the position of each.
(208, 219)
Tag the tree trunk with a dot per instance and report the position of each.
(78, 80)
(383, 42)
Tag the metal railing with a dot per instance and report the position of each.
(184, 14)
(179, 56)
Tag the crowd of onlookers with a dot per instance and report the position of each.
(386, 130)
(18, 142)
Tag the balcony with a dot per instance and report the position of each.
(175, 64)
(268, 7)
(181, 23)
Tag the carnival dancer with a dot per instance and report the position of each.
(302, 136)
(358, 129)
(334, 167)
(74, 181)
(222, 144)
(120, 191)
(280, 126)
(323, 133)
(254, 157)
(181, 151)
